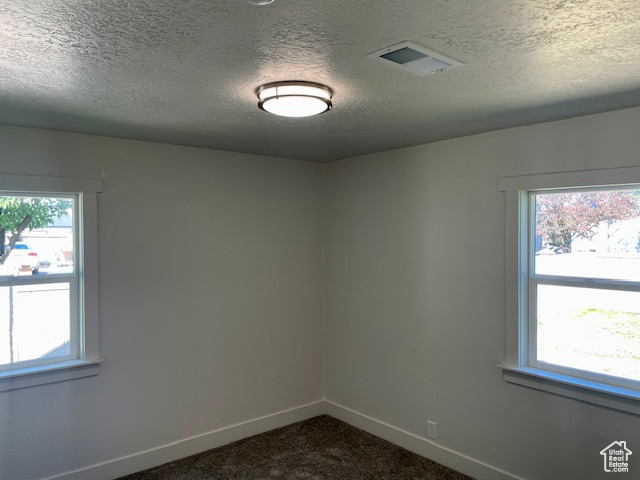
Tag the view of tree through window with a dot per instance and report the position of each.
(586, 273)
(38, 281)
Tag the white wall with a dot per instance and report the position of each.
(415, 303)
(210, 299)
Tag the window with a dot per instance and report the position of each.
(48, 280)
(573, 285)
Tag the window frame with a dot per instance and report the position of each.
(518, 368)
(88, 359)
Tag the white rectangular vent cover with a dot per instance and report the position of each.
(414, 58)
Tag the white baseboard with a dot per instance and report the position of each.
(192, 445)
(445, 456)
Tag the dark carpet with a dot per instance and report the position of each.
(321, 448)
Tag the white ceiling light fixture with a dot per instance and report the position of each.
(294, 99)
(259, 2)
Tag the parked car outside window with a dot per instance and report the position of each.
(21, 259)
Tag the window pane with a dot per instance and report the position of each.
(588, 234)
(589, 329)
(46, 245)
(34, 322)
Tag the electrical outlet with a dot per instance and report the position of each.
(431, 429)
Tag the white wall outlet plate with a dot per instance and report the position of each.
(431, 430)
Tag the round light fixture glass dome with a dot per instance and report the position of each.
(294, 99)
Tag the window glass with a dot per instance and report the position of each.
(592, 234)
(39, 285)
(589, 329)
(34, 323)
(585, 309)
(36, 235)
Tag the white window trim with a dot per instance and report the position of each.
(516, 367)
(88, 211)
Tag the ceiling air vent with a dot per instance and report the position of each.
(414, 58)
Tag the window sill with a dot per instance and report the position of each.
(618, 398)
(43, 374)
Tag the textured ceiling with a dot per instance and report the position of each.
(185, 71)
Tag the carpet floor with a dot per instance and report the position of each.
(321, 448)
